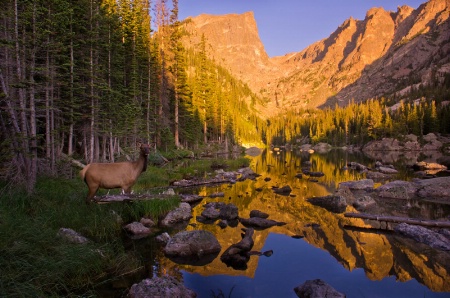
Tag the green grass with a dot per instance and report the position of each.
(35, 262)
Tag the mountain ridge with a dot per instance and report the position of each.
(361, 59)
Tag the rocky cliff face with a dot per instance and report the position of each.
(380, 55)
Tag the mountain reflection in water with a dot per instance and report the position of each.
(359, 263)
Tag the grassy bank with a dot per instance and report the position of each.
(35, 262)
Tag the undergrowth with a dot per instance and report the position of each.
(36, 262)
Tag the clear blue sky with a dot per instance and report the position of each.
(286, 26)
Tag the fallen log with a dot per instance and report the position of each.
(398, 219)
(131, 197)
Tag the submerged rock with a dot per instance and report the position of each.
(237, 255)
(364, 203)
(285, 190)
(365, 184)
(260, 223)
(257, 213)
(163, 287)
(317, 288)
(424, 235)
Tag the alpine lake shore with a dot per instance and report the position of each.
(53, 244)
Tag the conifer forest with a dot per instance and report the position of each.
(89, 78)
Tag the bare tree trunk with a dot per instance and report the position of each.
(71, 124)
(149, 96)
(31, 181)
(111, 143)
(176, 134)
(91, 73)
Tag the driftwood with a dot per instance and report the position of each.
(131, 197)
(195, 182)
(397, 219)
(73, 161)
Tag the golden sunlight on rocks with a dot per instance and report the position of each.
(380, 254)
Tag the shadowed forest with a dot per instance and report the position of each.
(88, 79)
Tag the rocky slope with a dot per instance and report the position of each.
(380, 55)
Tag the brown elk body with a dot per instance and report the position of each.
(114, 175)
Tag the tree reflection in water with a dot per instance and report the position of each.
(360, 263)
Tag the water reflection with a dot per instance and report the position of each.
(327, 238)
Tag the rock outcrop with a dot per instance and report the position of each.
(361, 59)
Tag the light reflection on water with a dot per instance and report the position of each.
(359, 264)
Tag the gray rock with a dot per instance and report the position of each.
(434, 188)
(377, 176)
(432, 146)
(180, 214)
(247, 173)
(211, 213)
(430, 137)
(137, 228)
(191, 199)
(305, 147)
(345, 192)
(333, 203)
(385, 144)
(365, 184)
(397, 190)
(285, 190)
(357, 166)
(192, 244)
(221, 174)
(424, 235)
(260, 223)
(387, 170)
(253, 151)
(163, 238)
(257, 213)
(169, 192)
(363, 203)
(229, 212)
(322, 147)
(411, 138)
(72, 236)
(411, 146)
(147, 222)
(317, 288)
(161, 287)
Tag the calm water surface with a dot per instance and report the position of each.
(355, 262)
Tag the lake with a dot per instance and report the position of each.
(314, 243)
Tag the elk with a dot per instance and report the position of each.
(114, 175)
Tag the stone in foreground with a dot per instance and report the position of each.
(317, 288)
(162, 287)
(193, 247)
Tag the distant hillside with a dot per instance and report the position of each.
(385, 53)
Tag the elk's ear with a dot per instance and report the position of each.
(138, 144)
